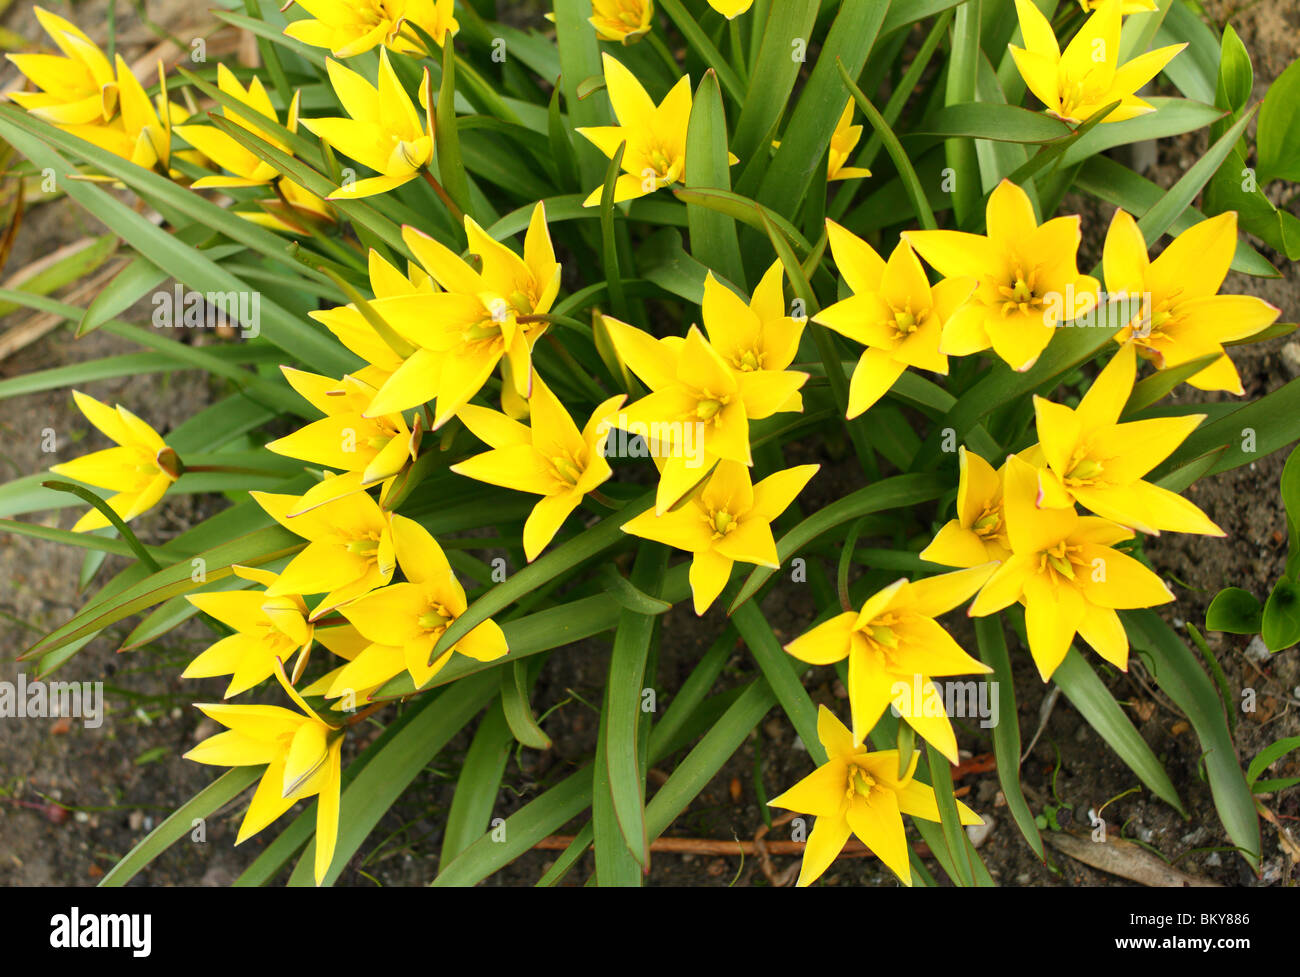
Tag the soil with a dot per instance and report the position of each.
(73, 800)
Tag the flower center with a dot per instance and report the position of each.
(722, 522)
(988, 525)
(1058, 562)
(1085, 470)
(1021, 294)
(567, 468)
(748, 361)
(364, 547)
(708, 407)
(860, 783)
(435, 619)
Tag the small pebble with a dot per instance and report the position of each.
(979, 833)
(81, 817)
(1257, 651)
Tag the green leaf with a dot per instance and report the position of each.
(1278, 138)
(609, 244)
(788, 30)
(580, 59)
(989, 120)
(1107, 180)
(1269, 756)
(255, 548)
(38, 142)
(704, 47)
(920, 204)
(890, 493)
(1179, 197)
(1154, 387)
(1236, 76)
(1172, 117)
(782, 674)
(953, 835)
(960, 93)
(518, 713)
(451, 168)
(1289, 487)
(1248, 433)
(108, 513)
(1090, 696)
(1006, 731)
(747, 211)
(713, 233)
(623, 715)
(1280, 627)
(1182, 679)
(180, 823)
(798, 163)
(71, 268)
(1236, 611)
(479, 782)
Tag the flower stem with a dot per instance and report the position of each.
(457, 214)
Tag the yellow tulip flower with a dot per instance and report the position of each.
(246, 168)
(655, 134)
(699, 407)
(76, 89)
(349, 29)
(267, 630)
(1028, 278)
(894, 647)
(351, 329)
(303, 757)
(1063, 569)
(1125, 6)
(378, 447)
(349, 548)
(856, 792)
(139, 470)
(893, 311)
(1183, 317)
(760, 336)
(727, 520)
(384, 131)
(625, 21)
(731, 9)
(843, 141)
(1093, 459)
(405, 620)
(1087, 77)
(484, 315)
(979, 532)
(552, 458)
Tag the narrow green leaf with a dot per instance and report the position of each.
(1090, 696)
(518, 713)
(1006, 731)
(623, 714)
(180, 823)
(478, 783)
(1182, 679)
(713, 233)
